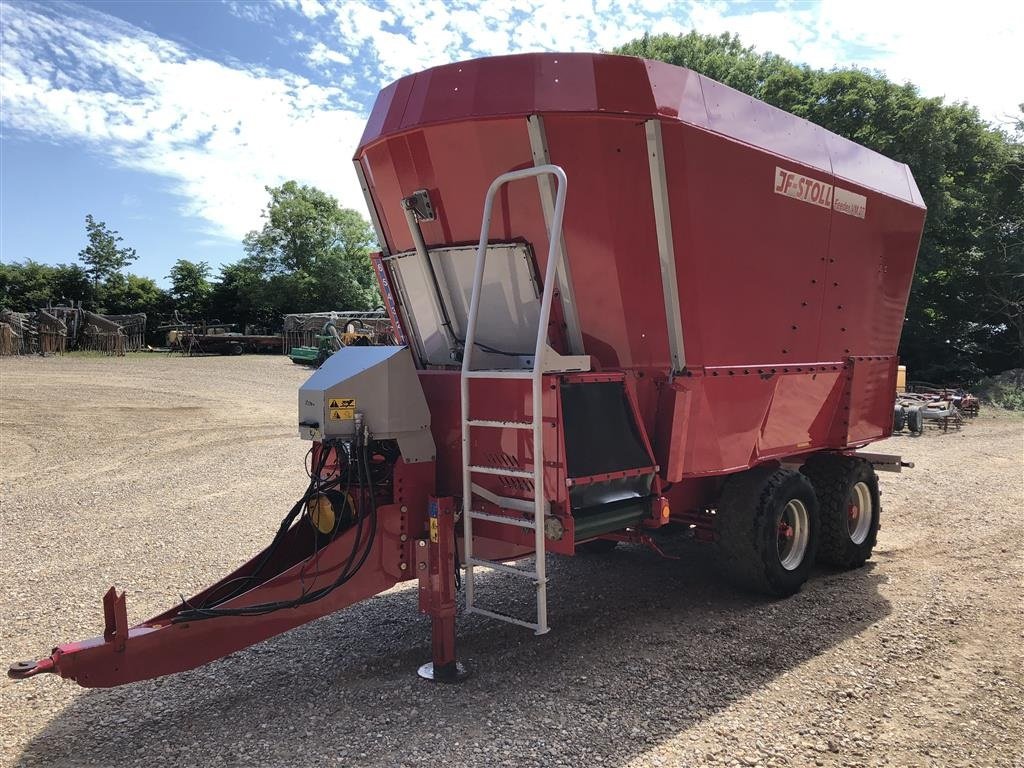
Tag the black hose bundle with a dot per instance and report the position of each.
(357, 459)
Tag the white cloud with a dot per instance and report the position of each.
(320, 54)
(946, 51)
(969, 56)
(964, 54)
(405, 38)
(219, 133)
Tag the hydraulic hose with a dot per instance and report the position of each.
(357, 456)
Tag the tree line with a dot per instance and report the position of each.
(310, 255)
(965, 318)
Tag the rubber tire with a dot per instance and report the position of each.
(747, 522)
(899, 418)
(915, 420)
(833, 478)
(596, 547)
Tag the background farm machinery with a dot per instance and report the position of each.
(944, 407)
(322, 334)
(65, 327)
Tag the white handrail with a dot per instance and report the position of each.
(536, 378)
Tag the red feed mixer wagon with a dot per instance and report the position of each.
(632, 304)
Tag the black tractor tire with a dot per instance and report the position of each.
(899, 419)
(752, 510)
(915, 419)
(596, 547)
(845, 483)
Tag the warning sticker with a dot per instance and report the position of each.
(341, 408)
(819, 193)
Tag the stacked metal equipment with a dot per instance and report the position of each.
(133, 327)
(56, 329)
(101, 335)
(21, 337)
(51, 333)
(9, 340)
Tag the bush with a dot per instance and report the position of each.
(1005, 390)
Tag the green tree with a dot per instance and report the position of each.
(311, 254)
(964, 317)
(30, 285)
(69, 283)
(245, 294)
(190, 287)
(104, 256)
(124, 294)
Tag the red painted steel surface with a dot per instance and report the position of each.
(435, 566)
(160, 646)
(778, 295)
(153, 649)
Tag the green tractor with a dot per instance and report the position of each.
(329, 341)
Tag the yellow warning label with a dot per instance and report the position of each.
(433, 530)
(341, 408)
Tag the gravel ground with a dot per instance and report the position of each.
(160, 474)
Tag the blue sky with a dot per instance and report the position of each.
(167, 119)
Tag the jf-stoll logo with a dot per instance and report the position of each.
(820, 193)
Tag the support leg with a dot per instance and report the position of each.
(435, 563)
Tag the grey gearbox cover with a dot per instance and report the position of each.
(378, 382)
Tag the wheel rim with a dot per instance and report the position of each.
(859, 513)
(794, 533)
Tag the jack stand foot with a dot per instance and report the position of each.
(449, 673)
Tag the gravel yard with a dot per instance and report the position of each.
(160, 474)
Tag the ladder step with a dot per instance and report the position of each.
(504, 617)
(503, 568)
(506, 502)
(500, 424)
(501, 471)
(503, 519)
(516, 373)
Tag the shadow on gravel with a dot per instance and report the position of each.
(642, 648)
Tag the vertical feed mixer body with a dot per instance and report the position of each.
(773, 328)
(679, 293)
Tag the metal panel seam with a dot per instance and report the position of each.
(566, 289)
(371, 206)
(666, 246)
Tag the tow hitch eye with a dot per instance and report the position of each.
(19, 670)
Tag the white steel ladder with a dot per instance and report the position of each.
(542, 359)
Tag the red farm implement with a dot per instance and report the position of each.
(678, 315)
